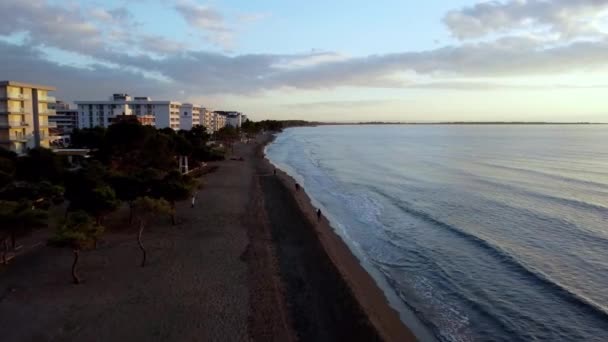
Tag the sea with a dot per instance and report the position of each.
(478, 232)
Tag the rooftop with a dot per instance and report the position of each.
(26, 85)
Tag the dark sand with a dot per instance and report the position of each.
(331, 296)
(248, 263)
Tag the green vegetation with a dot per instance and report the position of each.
(18, 219)
(128, 163)
(147, 208)
(78, 232)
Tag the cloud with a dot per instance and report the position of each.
(155, 64)
(253, 17)
(160, 45)
(337, 104)
(207, 19)
(49, 24)
(565, 18)
(28, 64)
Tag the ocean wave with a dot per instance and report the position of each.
(540, 277)
(447, 322)
(574, 203)
(562, 178)
(582, 232)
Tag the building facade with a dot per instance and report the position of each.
(24, 115)
(161, 114)
(65, 118)
(207, 120)
(190, 116)
(219, 121)
(234, 119)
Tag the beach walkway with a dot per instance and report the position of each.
(245, 264)
(195, 287)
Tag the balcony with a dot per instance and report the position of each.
(14, 124)
(17, 137)
(48, 125)
(47, 99)
(46, 112)
(16, 96)
(12, 110)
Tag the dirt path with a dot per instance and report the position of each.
(195, 287)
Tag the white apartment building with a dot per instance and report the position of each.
(208, 120)
(234, 119)
(103, 113)
(190, 116)
(24, 115)
(65, 118)
(219, 121)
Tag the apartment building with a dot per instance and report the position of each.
(233, 119)
(24, 115)
(103, 113)
(219, 121)
(207, 120)
(65, 118)
(190, 116)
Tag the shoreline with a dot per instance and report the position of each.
(373, 301)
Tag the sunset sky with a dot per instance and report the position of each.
(319, 60)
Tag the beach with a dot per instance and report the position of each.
(248, 262)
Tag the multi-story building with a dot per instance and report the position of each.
(103, 113)
(219, 121)
(233, 119)
(190, 116)
(24, 115)
(65, 118)
(207, 120)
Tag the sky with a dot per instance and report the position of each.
(342, 61)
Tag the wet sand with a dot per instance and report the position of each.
(331, 295)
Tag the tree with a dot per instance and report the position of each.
(124, 144)
(251, 128)
(92, 138)
(42, 194)
(227, 135)
(127, 189)
(17, 219)
(86, 190)
(147, 208)
(8, 161)
(41, 164)
(102, 201)
(158, 153)
(78, 232)
(174, 187)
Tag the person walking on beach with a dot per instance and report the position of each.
(194, 199)
(275, 172)
(297, 186)
(318, 214)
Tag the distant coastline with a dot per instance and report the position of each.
(459, 123)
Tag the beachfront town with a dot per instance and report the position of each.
(133, 219)
(30, 117)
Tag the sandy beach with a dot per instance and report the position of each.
(249, 262)
(335, 266)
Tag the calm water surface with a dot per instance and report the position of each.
(487, 233)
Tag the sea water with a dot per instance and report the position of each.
(485, 232)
